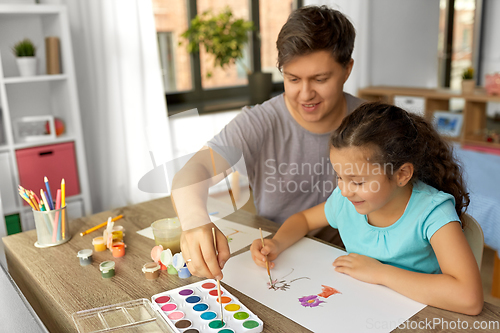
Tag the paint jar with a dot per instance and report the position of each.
(151, 270)
(117, 235)
(85, 257)
(107, 269)
(52, 227)
(118, 249)
(99, 244)
(167, 232)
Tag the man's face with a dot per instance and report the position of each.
(314, 86)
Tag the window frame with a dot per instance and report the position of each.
(220, 99)
(445, 74)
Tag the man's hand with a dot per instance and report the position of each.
(198, 245)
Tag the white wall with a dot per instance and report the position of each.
(404, 41)
(396, 42)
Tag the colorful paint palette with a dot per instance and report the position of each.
(195, 309)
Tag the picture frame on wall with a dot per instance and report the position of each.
(448, 123)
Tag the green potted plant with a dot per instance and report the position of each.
(468, 83)
(224, 37)
(25, 52)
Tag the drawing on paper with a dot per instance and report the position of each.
(315, 300)
(228, 232)
(310, 301)
(282, 284)
(328, 291)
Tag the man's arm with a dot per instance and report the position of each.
(189, 197)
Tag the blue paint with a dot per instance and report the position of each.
(193, 299)
(200, 307)
(208, 315)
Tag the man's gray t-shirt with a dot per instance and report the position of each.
(288, 167)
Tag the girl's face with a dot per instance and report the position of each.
(363, 183)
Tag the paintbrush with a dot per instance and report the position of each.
(267, 261)
(218, 283)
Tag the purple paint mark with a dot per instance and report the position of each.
(185, 292)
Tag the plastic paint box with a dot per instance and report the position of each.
(134, 316)
(194, 309)
(188, 309)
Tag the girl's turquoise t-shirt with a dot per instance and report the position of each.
(404, 244)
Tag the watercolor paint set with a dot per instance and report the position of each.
(195, 309)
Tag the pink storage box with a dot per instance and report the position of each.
(54, 162)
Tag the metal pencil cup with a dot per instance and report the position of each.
(52, 227)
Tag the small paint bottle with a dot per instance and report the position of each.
(118, 249)
(151, 270)
(107, 269)
(184, 272)
(171, 270)
(99, 244)
(85, 257)
(117, 235)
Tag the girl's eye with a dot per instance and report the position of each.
(358, 184)
(339, 178)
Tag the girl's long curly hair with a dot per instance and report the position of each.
(401, 137)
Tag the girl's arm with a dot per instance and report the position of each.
(292, 230)
(457, 289)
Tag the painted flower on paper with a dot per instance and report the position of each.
(310, 301)
(328, 291)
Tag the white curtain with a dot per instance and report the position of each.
(122, 102)
(358, 13)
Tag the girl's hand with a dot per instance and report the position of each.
(360, 267)
(259, 253)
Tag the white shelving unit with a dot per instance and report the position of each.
(40, 95)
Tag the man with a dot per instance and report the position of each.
(284, 141)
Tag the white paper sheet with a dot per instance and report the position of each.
(238, 235)
(302, 271)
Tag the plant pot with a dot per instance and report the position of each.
(27, 66)
(260, 86)
(468, 87)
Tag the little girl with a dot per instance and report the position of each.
(397, 207)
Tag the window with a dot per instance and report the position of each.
(273, 15)
(171, 21)
(458, 25)
(185, 75)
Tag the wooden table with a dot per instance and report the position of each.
(57, 286)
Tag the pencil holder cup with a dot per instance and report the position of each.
(52, 227)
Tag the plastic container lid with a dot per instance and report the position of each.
(133, 316)
(98, 240)
(150, 267)
(106, 266)
(84, 253)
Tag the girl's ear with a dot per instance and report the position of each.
(404, 174)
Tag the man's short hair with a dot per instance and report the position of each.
(312, 28)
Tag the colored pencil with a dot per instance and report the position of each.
(63, 204)
(100, 225)
(27, 200)
(36, 197)
(218, 282)
(267, 261)
(44, 199)
(32, 198)
(49, 194)
(56, 233)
